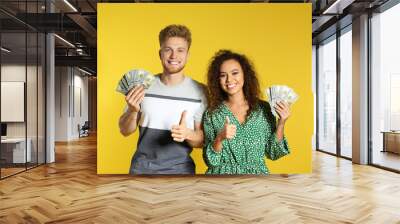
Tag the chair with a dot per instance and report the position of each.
(84, 130)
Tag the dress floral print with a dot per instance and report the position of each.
(244, 154)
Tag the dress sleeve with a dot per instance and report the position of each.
(274, 149)
(211, 157)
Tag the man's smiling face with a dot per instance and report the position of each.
(174, 53)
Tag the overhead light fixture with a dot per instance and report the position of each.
(65, 41)
(80, 51)
(5, 50)
(337, 7)
(84, 71)
(70, 5)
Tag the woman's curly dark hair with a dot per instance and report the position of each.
(251, 87)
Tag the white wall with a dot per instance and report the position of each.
(314, 91)
(61, 103)
(81, 102)
(71, 94)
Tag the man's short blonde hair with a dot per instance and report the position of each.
(175, 30)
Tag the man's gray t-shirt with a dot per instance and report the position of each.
(157, 152)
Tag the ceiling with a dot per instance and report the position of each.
(76, 22)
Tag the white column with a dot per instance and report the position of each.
(360, 90)
(50, 92)
(50, 110)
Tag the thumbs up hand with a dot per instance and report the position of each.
(228, 131)
(180, 132)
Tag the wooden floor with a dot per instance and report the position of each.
(387, 159)
(70, 191)
(5, 172)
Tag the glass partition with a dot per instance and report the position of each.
(327, 95)
(13, 103)
(22, 88)
(346, 93)
(385, 89)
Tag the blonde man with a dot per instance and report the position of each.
(168, 114)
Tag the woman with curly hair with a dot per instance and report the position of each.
(240, 129)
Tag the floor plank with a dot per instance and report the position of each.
(70, 191)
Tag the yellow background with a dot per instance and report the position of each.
(276, 38)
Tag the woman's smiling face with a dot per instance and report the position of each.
(231, 77)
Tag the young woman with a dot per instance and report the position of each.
(239, 128)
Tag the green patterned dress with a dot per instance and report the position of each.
(245, 153)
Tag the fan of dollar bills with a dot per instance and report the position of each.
(133, 78)
(278, 93)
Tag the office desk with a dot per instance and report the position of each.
(13, 150)
(391, 141)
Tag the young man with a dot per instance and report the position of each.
(168, 114)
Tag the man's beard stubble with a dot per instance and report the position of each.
(173, 70)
